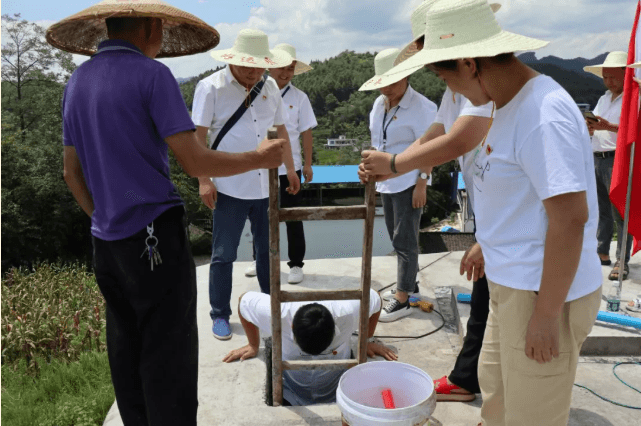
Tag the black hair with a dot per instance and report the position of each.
(313, 328)
(452, 65)
(124, 25)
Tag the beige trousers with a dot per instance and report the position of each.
(518, 391)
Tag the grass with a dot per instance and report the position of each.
(60, 394)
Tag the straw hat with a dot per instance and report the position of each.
(635, 65)
(465, 29)
(613, 60)
(183, 33)
(251, 49)
(418, 28)
(384, 62)
(301, 67)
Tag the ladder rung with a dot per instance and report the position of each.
(311, 296)
(323, 213)
(339, 364)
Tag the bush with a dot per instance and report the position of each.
(51, 312)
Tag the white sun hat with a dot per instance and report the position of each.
(383, 62)
(183, 33)
(613, 60)
(251, 49)
(301, 67)
(458, 29)
(417, 22)
(635, 65)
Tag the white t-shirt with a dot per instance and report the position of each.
(307, 387)
(449, 111)
(604, 140)
(540, 149)
(405, 123)
(216, 99)
(299, 117)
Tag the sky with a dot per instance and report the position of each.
(320, 29)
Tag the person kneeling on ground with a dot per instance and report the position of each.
(311, 331)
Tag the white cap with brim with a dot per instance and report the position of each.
(418, 28)
(383, 62)
(613, 60)
(251, 49)
(301, 67)
(458, 29)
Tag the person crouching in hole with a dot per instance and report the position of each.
(310, 331)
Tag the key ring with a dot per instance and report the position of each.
(151, 237)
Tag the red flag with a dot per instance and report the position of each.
(629, 133)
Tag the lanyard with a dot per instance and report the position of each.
(285, 92)
(385, 126)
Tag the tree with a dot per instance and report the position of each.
(28, 64)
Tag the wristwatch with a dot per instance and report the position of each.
(423, 176)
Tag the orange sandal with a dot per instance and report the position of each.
(450, 392)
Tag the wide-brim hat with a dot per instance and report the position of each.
(635, 65)
(301, 67)
(183, 33)
(251, 49)
(383, 62)
(417, 22)
(458, 29)
(613, 60)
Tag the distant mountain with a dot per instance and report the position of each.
(182, 80)
(584, 87)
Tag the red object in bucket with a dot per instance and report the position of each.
(388, 399)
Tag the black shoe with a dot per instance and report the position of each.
(394, 310)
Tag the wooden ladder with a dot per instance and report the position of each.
(277, 215)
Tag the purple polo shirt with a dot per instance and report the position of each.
(117, 109)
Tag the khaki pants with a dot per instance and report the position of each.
(518, 391)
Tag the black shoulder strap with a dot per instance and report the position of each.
(239, 112)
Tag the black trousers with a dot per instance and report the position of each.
(152, 334)
(465, 372)
(295, 231)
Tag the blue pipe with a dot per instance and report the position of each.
(604, 316)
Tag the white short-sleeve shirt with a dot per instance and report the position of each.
(299, 117)
(216, 99)
(404, 123)
(604, 140)
(540, 148)
(308, 386)
(449, 111)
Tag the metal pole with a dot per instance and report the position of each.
(626, 219)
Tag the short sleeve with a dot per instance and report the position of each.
(374, 302)
(477, 111)
(256, 308)
(67, 140)
(597, 108)
(203, 107)
(440, 114)
(429, 111)
(166, 105)
(553, 158)
(306, 117)
(279, 118)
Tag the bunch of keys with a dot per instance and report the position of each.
(152, 252)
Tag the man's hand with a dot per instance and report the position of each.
(208, 193)
(374, 349)
(473, 263)
(376, 163)
(364, 178)
(308, 173)
(246, 352)
(604, 124)
(542, 338)
(294, 182)
(419, 197)
(271, 152)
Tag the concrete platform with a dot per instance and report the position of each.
(233, 394)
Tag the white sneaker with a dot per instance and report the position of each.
(295, 275)
(394, 310)
(251, 270)
(389, 294)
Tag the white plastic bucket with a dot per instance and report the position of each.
(359, 395)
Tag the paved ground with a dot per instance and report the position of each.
(233, 394)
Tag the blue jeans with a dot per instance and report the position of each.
(229, 218)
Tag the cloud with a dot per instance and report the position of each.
(320, 29)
